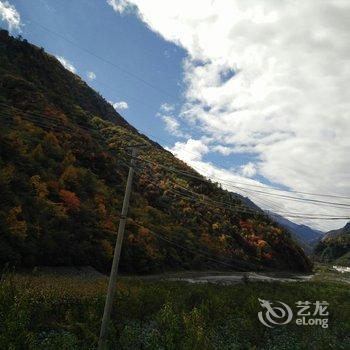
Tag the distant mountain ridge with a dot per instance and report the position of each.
(248, 202)
(302, 233)
(338, 232)
(335, 247)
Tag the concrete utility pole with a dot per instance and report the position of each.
(118, 246)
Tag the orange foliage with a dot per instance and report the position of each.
(143, 232)
(70, 199)
(109, 224)
(245, 225)
(261, 243)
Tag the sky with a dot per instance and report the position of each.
(248, 92)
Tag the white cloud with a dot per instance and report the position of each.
(172, 125)
(224, 150)
(248, 170)
(190, 151)
(9, 14)
(91, 75)
(66, 64)
(288, 101)
(119, 105)
(119, 6)
(167, 107)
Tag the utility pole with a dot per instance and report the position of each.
(118, 246)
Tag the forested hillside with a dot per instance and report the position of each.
(335, 247)
(63, 168)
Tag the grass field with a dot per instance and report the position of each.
(64, 312)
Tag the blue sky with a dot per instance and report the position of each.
(127, 42)
(121, 39)
(244, 91)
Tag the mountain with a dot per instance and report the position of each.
(305, 235)
(338, 232)
(248, 202)
(63, 170)
(335, 247)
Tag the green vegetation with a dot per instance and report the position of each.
(48, 312)
(344, 260)
(335, 250)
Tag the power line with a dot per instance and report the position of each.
(309, 200)
(196, 251)
(274, 188)
(53, 123)
(50, 124)
(267, 187)
(290, 191)
(242, 188)
(247, 210)
(63, 128)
